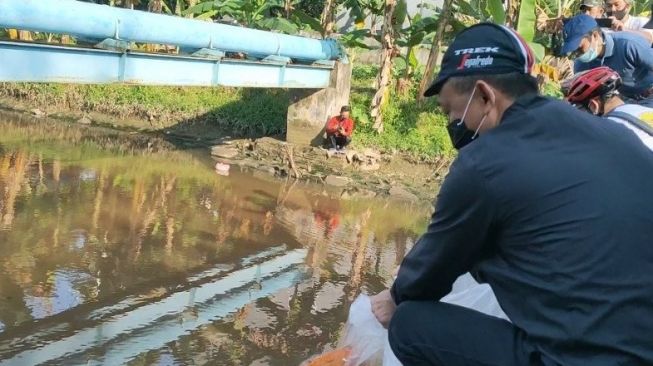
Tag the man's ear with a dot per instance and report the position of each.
(594, 106)
(486, 92)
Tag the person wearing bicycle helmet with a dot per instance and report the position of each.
(596, 91)
(628, 54)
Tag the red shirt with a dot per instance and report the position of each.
(346, 123)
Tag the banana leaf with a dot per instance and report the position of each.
(495, 8)
(527, 20)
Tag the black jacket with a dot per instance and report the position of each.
(554, 209)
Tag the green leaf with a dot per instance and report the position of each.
(201, 8)
(465, 8)
(376, 6)
(208, 15)
(526, 20)
(355, 38)
(303, 18)
(399, 16)
(416, 19)
(495, 8)
(427, 25)
(415, 39)
(412, 59)
(278, 24)
(538, 50)
(355, 10)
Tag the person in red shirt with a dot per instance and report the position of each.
(339, 129)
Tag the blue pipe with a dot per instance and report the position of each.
(101, 21)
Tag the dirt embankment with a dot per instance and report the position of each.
(363, 172)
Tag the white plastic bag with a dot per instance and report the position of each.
(368, 340)
(468, 293)
(366, 337)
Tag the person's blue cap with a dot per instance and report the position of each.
(575, 30)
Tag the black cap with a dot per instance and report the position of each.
(484, 48)
(345, 108)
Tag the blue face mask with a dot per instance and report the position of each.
(588, 56)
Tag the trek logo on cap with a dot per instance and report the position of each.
(471, 51)
(467, 62)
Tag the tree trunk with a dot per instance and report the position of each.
(385, 72)
(327, 18)
(404, 83)
(435, 50)
(287, 7)
(513, 13)
(509, 14)
(178, 8)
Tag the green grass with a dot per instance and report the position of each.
(239, 111)
(408, 127)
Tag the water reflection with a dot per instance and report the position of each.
(119, 251)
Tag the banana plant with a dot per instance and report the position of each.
(363, 9)
(279, 15)
(419, 28)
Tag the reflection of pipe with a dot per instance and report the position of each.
(155, 324)
(101, 22)
(165, 332)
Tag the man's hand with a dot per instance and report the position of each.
(617, 24)
(383, 307)
(341, 130)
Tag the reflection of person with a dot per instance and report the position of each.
(330, 221)
(625, 53)
(543, 204)
(339, 129)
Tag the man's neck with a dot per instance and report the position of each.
(612, 104)
(503, 104)
(601, 50)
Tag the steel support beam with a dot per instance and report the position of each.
(30, 62)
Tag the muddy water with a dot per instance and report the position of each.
(117, 249)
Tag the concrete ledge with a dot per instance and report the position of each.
(310, 110)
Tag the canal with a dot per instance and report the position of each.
(120, 249)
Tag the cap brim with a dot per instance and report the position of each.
(435, 88)
(571, 45)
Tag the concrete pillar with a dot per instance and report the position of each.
(310, 110)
